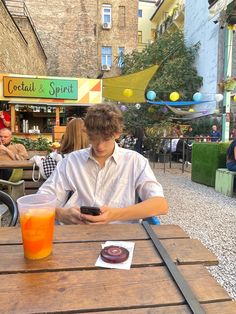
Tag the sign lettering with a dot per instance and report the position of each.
(40, 88)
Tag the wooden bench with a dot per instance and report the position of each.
(224, 182)
(31, 187)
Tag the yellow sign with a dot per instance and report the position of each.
(46, 89)
(42, 88)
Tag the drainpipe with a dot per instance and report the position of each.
(227, 73)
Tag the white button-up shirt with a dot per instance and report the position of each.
(126, 175)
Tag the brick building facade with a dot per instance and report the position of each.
(75, 39)
(20, 49)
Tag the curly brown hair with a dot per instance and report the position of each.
(103, 120)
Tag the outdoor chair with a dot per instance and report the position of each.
(15, 189)
(8, 201)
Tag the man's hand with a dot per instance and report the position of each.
(104, 218)
(3, 148)
(1, 115)
(69, 215)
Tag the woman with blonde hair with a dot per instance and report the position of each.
(74, 137)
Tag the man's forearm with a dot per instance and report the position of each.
(151, 207)
(5, 122)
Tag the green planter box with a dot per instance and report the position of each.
(206, 159)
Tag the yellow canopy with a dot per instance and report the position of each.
(128, 88)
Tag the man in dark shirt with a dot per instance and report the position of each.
(215, 134)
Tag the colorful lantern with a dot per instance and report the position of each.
(234, 98)
(191, 110)
(197, 96)
(128, 92)
(174, 96)
(151, 95)
(164, 109)
(123, 108)
(219, 97)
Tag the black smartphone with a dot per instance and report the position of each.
(89, 210)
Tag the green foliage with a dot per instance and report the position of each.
(154, 134)
(41, 144)
(177, 71)
(203, 126)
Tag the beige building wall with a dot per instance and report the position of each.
(144, 23)
(20, 52)
(73, 35)
(123, 31)
(68, 30)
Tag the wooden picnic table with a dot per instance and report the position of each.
(68, 281)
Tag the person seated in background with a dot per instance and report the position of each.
(74, 138)
(231, 156)
(10, 151)
(5, 118)
(128, 141)
(184, 149)
(233, 133)
(215, 134)
(189, 132)
(106, 176)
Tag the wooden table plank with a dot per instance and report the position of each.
(212, 308)
(16, 164)
(95, 290)
(77, 256)
(82, 233)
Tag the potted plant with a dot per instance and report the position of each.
(41, 146)
(154, 141)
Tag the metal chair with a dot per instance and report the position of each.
(154, 220)
(12, 207)
(15, 189)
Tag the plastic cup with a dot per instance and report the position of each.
(37, 219)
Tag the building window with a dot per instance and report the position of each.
(106, 13)
(107, 56)
(140, 13)
(121, 22)
(120, 62)
(140, 37)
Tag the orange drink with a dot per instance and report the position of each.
(37, 217)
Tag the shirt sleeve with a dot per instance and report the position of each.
(22, 152)
(147, 185)
(57, 184)
(7, 117)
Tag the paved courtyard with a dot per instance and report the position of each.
(205, 215)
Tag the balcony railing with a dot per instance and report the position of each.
(19, 9)
(170, 20)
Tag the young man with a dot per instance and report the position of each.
(9, 151)
(106, 176)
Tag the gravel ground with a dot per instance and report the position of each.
(205, 215)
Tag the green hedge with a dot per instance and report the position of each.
(206, 159)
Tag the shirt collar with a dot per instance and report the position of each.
(115, 154)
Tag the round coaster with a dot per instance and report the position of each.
(114, 254)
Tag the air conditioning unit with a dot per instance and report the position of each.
(105, 67)
(106, 25)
